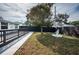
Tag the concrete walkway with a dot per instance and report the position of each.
(15, 47)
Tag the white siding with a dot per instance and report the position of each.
(11, 26)
(0, 25)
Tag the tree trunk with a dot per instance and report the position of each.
(41, 31)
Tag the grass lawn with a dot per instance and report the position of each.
(46, 44)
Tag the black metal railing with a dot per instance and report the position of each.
(7, 36)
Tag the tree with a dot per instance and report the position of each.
(38, 15)
(63, 17)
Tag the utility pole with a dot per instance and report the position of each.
(55, 12)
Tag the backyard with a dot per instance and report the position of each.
(45, 44)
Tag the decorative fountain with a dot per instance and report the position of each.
(57, 26)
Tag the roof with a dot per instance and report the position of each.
(6, 21)
(65, 25)
(57, 24)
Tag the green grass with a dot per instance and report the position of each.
(46, 44)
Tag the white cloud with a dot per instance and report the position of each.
(15, 11)
(18, 11)
(68, 8)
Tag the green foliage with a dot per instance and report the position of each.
(39, 14)
(75, 23)
(62, 46)
(64, 17)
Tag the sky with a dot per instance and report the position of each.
(72, 9)
(17, 11)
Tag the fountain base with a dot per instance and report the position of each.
(57, 35)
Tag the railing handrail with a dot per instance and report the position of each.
(4, 33)
(8, 30)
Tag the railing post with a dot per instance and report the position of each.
(18, 32)
(4, 36)
(1, 36)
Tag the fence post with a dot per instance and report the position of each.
(4, 36)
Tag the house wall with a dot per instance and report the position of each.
(11, 26)
(0, 25)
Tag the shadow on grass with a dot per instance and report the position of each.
(63, 46)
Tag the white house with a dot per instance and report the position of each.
(4, 24)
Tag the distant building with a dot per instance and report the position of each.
(4, 24)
